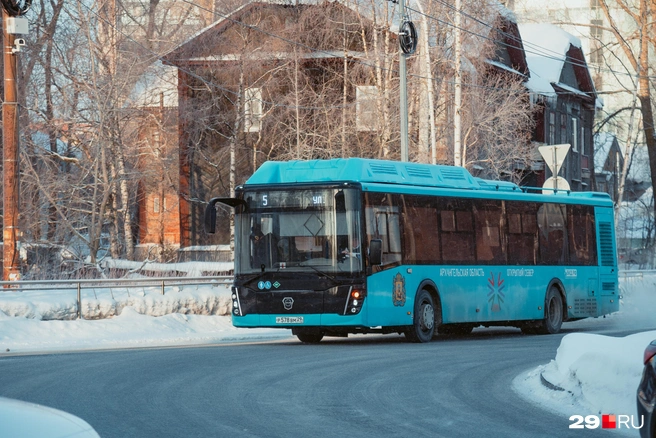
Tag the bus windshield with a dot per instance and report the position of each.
(308, 229)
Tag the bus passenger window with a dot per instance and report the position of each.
(581, 233)
(522, 233)
(420, 236)
(490, 238)
(551, 221)
(457, 231)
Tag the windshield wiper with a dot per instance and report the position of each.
(319, 271)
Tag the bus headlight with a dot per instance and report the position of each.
(236, 306)
(355, 301)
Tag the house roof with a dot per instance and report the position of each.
(510, 37)
(203, 38)
(158, 86)
(548, 50)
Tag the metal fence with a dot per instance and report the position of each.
(622, 273)
(77, 286)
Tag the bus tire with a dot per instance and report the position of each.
(553, 313)
(309, 336)
(423, 327)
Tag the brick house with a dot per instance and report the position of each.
(236, 83)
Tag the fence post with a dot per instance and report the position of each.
(162, 287)
(79, 300)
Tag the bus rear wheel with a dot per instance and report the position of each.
(423, 327)
(553, 313)
(309, 336)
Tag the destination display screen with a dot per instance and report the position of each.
(297, 199)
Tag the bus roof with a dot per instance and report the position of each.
(370, 171)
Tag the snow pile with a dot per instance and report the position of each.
(601, 372)
(596, 374)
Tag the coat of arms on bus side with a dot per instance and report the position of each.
(398, 295)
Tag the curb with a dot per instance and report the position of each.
(549, 385)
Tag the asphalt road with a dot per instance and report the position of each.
(364, 386)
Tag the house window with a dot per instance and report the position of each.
(596, 35)
(575, 135)
(582, 137)
(156, 205)
(563, 128)
(596, 56)
(552, 128)
(252, 109)
(594, 4)
(365, 107)
(596, 30)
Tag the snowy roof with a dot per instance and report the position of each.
(639, 164)
(603, 141)
(158, 84)
(41, 141)
(546, 46)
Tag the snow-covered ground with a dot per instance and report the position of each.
(45, 320)
(597, 374)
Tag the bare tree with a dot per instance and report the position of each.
(636, 49)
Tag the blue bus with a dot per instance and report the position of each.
(341, 246)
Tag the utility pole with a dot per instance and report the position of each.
(12, 25)
(408, 44)
(457, 122)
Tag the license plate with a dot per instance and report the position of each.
(289, 320)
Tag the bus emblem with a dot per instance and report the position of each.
(288, 303)
(398, 296)
(495, 294)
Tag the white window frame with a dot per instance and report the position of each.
(575, 134)
(252, 109)
(366, 98)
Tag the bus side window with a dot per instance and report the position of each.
(421, 239)
(383, 222)
(457, 230)
(581, 233)
(522, 233)
(553, 239)
(490, 233)
(389, 230)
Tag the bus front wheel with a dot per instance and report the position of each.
(553, 313)
(423, 327)
(309, 336)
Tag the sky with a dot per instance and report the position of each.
(598, 374)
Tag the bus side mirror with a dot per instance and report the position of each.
(376, 252)
(210, 211)
(210, 216)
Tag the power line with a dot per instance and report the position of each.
(540, 50)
